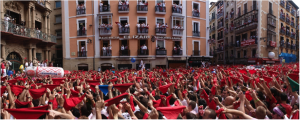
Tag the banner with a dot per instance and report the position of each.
(247, 42)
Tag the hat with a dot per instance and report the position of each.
(26, 113)
(164, 88)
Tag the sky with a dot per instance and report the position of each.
(297, 2)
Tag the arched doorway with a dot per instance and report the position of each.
(83, 67)
(15, 59)
(106, 66)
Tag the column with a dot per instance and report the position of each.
(49, 32)
(46, 55)
(30, 54)
(50, 60)
(46, 24)
(34, 52)
(33, 17)
(3, 51)
(29, 17)
(1, 10)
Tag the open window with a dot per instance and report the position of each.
(177, 22)
(245, 53)
(14, 17)
(244, 37)
(105, 20)
(82, 49)
(253, 53)
(38, 25)
(160, 44)
(105, 2)
(142, 20)
(196, 6)
(81, 28)
(124, 21)
(81, 2)
(176, 2)
(143, 47)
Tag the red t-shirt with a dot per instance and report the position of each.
(270, 102)
(288, 109)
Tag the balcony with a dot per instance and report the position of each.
(293, 35)
(271, 20)
(80, 11)
(105, 54)
(288, 45)
(141, 8)
(81, 32)
(288, 7)
(231, 14)
(293, 47)
(143, 52)
(123, 8)
(161, 53)
(231, 29)
(142, 30)
(220, 37)
(282, 43)
(196, 53)
(176, 52)
(226, 19)
(282, 3)
(196, 13)
(293, 24)
(282, 17)
(220, 25)
(105, 31)
(220, 15)
(288, 20)
(124, 30)
(176, 10)
(177, 32)
(160, 10)
(81, 53)
(104, 8)
(212, 19)
(246, 22)
(161, 31)
(220, 49)
(293, 12)
(282, 31)
(237, 44)
(288, 33)
(196, 34)
(212, 29)
(124, 53)
(226, 31)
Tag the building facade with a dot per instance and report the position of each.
(258, 28)
(108, 34)
(56, 29)
(26, 32)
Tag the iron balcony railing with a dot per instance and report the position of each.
(292, 24)
(293, 11)
(81, 54)
(220, 49)
(226, 31)
(282, 31)
(220, 14)
(212, 18)
(81, 32)
(297, 45)
(281, 3)
(7, 26)
(104, 8)
(142, 7)
(196, 14)
(282, 43)
(176, 52)
(160, 9)
(231, 14)
(123, 30)
(288, 33)
(220, 25)
(196, 52)
(124, 52)
(288, 20)
(123, 8)
(142, 30)
(106, 53)
(196, 33)
(212, 29)
(282, 16)
(161, 30)
(288, 45)
(80, 11)
(293, 35)
(177, 32)
(231, 29)
(293, 47)
(288, 7)
(161, 52)
(105, 30)
(176, 10)
(143, 52)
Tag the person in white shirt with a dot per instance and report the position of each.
(45, 64)
(31, 64)
(126, 28)
(38, 33)
(122, 47)
(104, 50)
(180, 8)
(138, 27)
(109, 50)
(6, 19)
(101, 6)
(83, 51)
(144, 48)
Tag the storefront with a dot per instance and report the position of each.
(270, 61)
(177, 62)
(197, 61)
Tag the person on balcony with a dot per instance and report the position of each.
(109, 50)
(120, 5)
(120, 27)
(157, 48)
(82, 9)
(143, 27)
(83, 30)
(144, 48)
(157, 27)
(6, 22)
(175, 49)
(174, 7)
(147, 28)
(101, 6)
(104, 50)
(180, 8)
(126, 28)
(37, 33)
(123, 50)
(138, 25)
(158, 6)
(83, 51)
(163, 6)
(78, 9)
(140, 5)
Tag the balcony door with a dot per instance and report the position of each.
(123, 21)
(15, 16)
(196, 48)
(196, 26)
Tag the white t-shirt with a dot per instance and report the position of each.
(138, 25)
(157, 25)
(144, 47)
(122, 48)
(104, 48)
(6, 18)
(82, 48)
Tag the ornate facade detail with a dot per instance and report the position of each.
(13, 5)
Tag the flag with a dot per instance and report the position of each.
(294, 85)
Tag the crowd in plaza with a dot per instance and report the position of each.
(215, 92)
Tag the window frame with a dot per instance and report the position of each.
(198, 25)
(56, 6)
(56, 33)
(161, 40)
(77, 22)
(138, 19)
(60, 19)
(78, 41)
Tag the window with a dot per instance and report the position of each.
(177, 21)
(58, 33)
(176, 1)
(142, 20)
(106, 43)
(57, 18)
(57, 4)
(253, 53)
(270, 8)
(244, 37)
(254, 4)
(123, 21)
(196, 6)
(245, 53)
(80, 2)
(160, 43)
(105, 20)
(239, 12)
(196, 26)
(238, 54)
(159, 1)
(159, 20)
(39, 56)
(245, 8)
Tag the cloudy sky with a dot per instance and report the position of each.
(297, 2)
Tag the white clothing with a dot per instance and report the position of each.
(138, 25)
(45, 64)
(31, 64)
(122, 48)
(82, 48)
(104, 48)
(144, 47)
(127, 25)
(101, 4)
(26, 64)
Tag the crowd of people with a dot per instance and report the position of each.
(160, 7)
(142, 27)
(123, 5)
(177, 8)
(215, 92)
(80, 9)
(106, 50)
